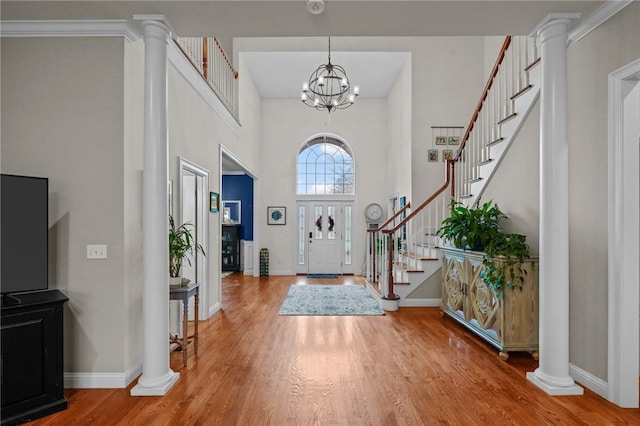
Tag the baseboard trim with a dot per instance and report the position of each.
(102, 380)
(214, 309)
(420, 303)
(589, 381)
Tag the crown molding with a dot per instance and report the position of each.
(69, 28)
(597, 18)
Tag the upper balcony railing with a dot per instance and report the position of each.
(208, 57)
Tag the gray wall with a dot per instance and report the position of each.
(62, 117)
(590, 60)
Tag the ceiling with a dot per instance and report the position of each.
(290, 18)
(374, 72)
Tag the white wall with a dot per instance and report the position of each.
(286, 125)
(515, 187)
(448, 78)
(399, 137)
(195, 134)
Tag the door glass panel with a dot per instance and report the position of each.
(347, 235)
(301, 236)
(331, 222)
(317, 233)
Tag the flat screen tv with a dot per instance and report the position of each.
(24, 231)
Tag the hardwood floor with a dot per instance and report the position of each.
(411, 367)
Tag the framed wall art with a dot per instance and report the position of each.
(441, 140)
(447, 154)
(433, 155)
(276, 215)
(214, 202)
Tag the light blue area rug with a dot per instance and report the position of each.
(304, 299)
(322, 275)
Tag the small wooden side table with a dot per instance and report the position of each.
(184, 294)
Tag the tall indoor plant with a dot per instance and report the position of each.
(479, 229)
(181, 244)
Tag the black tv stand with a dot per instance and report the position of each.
(32, 356)
(10, 300)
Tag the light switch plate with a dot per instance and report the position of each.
(96, 251)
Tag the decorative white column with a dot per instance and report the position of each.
(552, 375)
(157, 378)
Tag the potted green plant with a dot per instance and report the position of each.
(181, 244)
(479, 229)
(471, 228)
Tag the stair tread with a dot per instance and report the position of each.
(419, 257)
(532, 64)
(507, 118)
(496, 141)
(405, 267)
(522, 91)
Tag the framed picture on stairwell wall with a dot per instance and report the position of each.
(441, 140)
(433, 155)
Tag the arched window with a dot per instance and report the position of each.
(325, 167)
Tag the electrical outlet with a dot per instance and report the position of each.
(96, 251)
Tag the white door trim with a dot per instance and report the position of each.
(187, 165)
(623, 303)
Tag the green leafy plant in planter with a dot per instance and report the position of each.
(511, 250)
(181, 244)
(471, 228)
(479, 229)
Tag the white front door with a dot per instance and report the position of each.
(325, 237)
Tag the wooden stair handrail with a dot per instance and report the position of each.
(426, 202)
(485, 93)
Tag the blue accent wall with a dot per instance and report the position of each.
(240, 187)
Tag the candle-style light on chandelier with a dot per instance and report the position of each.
(329, 88)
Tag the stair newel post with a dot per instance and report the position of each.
(391, 295)
(374, 254)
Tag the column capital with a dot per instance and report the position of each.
(155, 22)
(552, 19)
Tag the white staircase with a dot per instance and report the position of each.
(394, 271)
(523, 102)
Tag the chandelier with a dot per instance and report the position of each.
(329, 88)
